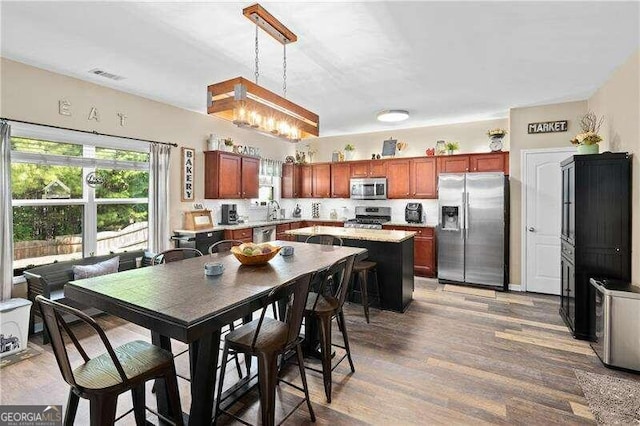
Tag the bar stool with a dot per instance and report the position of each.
(361, 272)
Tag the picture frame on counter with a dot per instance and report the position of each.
(187, 174)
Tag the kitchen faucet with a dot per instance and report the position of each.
(272, 212)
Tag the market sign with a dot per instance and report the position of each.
(548, 127)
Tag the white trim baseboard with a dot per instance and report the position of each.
(515, 287)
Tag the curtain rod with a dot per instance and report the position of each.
(88, 132)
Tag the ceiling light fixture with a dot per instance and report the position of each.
(392, 115)
(250, 105)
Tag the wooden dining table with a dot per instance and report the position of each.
(178, 301)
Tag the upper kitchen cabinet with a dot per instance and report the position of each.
(365, 169)
(306, 181)
(250, 179)
(290, 181)
(494, 162)
(321, 180)
(398, 178)
(465, 163)
(424, 178)
(340, 174)
(230, 175)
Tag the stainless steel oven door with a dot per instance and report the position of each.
(368, 189)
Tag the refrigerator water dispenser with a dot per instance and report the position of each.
(450, 218)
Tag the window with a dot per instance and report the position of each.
(59, 213)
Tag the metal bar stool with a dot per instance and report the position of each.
(361, 272)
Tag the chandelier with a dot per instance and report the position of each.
(250, 105)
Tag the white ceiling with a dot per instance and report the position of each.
(443, 61)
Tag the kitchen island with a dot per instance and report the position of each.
(393, 252)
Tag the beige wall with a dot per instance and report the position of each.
(618, 100)
(32, 94)
(470, 136)
(519, 118)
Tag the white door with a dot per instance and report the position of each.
(542, 191)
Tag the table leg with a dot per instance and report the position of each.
(162, 396)
(203, 378)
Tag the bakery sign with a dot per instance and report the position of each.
(548, 127)
(187, 175)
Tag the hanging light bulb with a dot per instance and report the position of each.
(270, 125)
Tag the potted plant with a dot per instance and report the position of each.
(588, 140)
(451, 147)
(228, 144)
(348, 151)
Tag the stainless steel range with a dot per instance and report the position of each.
(369, 217)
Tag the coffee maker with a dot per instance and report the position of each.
(229, 214)
(413, 213)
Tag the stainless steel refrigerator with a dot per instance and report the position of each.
(473, 229)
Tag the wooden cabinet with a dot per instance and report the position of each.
(463, 163)
(595, 232)
(245, 234)
(290, 181)
(306, 181)
(280, 232)
(495, 162)
(230, 176)
(368, 168)
(321, 180)
(398, 179)
(424, 249)
(250, 179)
(340, 175)
(424, 178)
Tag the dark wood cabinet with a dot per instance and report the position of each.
(359, 169)
(245, 234)
(250, 180)
(222, 175)
(595, 232)
(471, 163)
(368, 168)
(424, 178)
(398, 179)
(321, 174)
(377, 168)
(290, 181)
(424, 249)
(340, 175)
(453, 164)
(306, 181)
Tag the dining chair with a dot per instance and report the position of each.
(324, 305)
(223, 246)
(175, 254)
(267, 338)
(101, 379)
(324, 239)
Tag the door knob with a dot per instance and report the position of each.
(532, 229)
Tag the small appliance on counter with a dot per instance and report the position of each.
(297, 212)
(617, 311)
(413, 213)
(229, 214)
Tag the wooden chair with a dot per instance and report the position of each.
(103, 378)
(361, 272)
(175, 254)
(267, 338)
(324, 239)
(325, 305)
(223, 246)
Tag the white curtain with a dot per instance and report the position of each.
(159, 197)
(6, 229)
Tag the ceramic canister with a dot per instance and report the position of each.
(286, 251)
(213, 268)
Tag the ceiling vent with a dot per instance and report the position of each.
(103, 73)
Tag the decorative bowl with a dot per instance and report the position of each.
(259, 259)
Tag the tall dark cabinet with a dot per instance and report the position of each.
(596, 232)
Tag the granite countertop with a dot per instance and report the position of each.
(254, 225)
(381, 235)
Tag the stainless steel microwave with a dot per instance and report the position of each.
(369, 189)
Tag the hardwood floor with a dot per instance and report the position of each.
(455, 357)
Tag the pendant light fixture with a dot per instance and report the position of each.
(250, 105)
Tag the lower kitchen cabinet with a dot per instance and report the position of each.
(280, 232)
(245, 234)
(424, 252)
